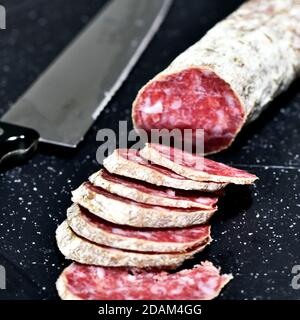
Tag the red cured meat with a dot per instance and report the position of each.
(188, 234)
(191, 99)
(107, 206)
(155, 195)
(135, 156)
(105, 233)
(81, 250)
(130, 202)
(203, 282)
(194, 166)
(129, 163)
(229, 77)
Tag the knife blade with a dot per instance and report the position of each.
(66, 99)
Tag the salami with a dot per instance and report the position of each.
(185, 164)
(145, 193)
(79, 282)
(102, 232)
(130, 164)
(83, 251)
(123, 211)
(227, 78)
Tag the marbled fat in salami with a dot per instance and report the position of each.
(123, 211)
(146, 193)
(79, 282)
(78, 249)
(187, 165)
(130, 164)
(102, 232)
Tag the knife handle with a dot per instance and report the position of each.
(16, 143)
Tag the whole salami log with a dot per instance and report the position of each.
(102, 232)
(79, 282)
(130, 164)
(80, 250)
(227, 78)
(124, 211)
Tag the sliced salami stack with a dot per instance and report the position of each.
(143, 213)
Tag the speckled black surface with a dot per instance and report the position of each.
(256, 232)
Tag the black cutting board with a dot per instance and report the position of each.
(256, 231)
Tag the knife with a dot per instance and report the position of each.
(66, 99)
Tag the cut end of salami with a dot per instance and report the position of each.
(79, 282)
(220, 83)
(195, 98)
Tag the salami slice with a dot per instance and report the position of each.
(146, 193)
(130, 164)
(186, 164)
(227, 78)
(83, 251)
(123, 211)
(102, 232)
(79, 282)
